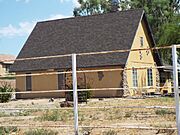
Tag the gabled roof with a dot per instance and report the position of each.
(102, 32)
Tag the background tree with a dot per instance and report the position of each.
(163, 16)
(90, 7)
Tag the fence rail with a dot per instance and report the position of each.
(102, 107)
(75, 90)
(95, 89)
(84, 126)
(94, 53)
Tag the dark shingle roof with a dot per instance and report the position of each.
(94, 33)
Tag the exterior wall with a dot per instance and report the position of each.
(85, 80)
(105, 79)
(138, 59)
(20, 82)
(39, 83)
(3, 68)
(3, 81)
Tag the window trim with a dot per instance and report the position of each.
(149, 77)
(135, 77)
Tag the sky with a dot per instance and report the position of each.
(18, 18)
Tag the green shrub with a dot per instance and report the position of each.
(50, 115)
(7, 78)
(110, 132)
(163, 112)
(7, 130)
(41, 132)
(3, 89)
(82, 95)
(86, 131)
(3, 114)
(55, 115)
(128, 114)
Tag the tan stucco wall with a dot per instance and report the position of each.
(146, 61)
(44, 82)
(2, 69)
(39, 83)
(104, 79)
(93, 80)
(1, 72)
(20, 82)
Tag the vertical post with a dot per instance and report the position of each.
(176, 86)
(75, 96)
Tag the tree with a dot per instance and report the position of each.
(169, 34)
(162, 15)
(159, 12)
(91, 7)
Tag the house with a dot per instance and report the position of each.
(5, 62)
(103, 32)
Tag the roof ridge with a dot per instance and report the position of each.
(100, 14)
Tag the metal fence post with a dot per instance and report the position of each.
(75, 96)
(176, 86)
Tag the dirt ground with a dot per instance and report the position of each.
(29, 119)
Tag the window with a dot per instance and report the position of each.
(141, 41)
(150, 78)
(61, 82)
(28, 82)
(134, 74)
(7, 67)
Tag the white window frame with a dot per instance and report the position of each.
(149, 77)
(134, 78)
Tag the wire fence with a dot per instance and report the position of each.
(173, 68)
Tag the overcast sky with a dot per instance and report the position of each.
(18, 17)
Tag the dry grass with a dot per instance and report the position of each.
(96, 117)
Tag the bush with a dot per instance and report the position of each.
(110, 132)
(128, 114)
(50, 116)
(41, 132)
(7, 130)
(55, 115)
(163, 112)
(3, 89)
(82, 95)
